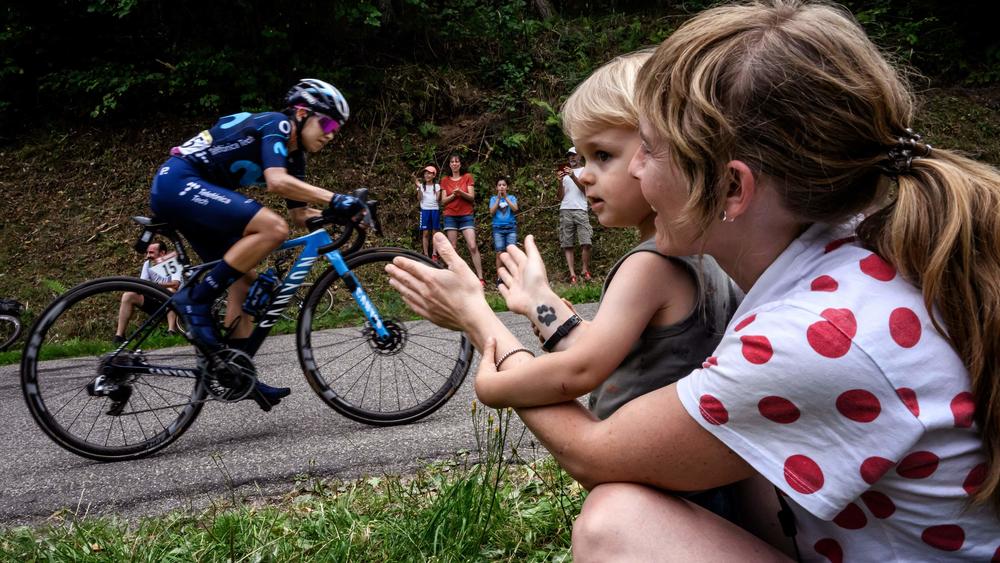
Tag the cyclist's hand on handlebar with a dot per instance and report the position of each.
(346, 209)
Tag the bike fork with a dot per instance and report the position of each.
(360, 297)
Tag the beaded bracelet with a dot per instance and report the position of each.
(510, 353)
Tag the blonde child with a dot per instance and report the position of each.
(660, 316)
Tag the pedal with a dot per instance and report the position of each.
(119, 398)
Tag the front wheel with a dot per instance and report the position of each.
(383, 383)
(104, 400)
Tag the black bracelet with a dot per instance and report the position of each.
(561, 332)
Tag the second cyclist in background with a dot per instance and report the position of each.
(197, 191)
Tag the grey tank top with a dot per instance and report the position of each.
(664, 354)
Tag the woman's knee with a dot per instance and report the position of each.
(604, 522)
(616, 518)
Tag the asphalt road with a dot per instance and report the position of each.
(232, 450)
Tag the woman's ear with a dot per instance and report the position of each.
(740, 190)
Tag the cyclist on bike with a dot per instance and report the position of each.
(197, 191)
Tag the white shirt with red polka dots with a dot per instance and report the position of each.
(832, 382)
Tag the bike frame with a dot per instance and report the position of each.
(313, 248)
(314, 245)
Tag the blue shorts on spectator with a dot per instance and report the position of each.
(458, 222)
(430, 220)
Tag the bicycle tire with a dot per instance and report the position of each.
(415, 376)
(10, 330)
(156, 410)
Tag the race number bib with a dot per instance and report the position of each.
(168, 267)
(199, 142)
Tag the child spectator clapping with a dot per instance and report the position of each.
(428, 196)
(503, 207)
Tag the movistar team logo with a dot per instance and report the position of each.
(188, 187)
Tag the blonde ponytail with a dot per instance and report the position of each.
(942, 232)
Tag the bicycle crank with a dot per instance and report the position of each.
(229, 375)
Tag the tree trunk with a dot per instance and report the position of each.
(545, 9)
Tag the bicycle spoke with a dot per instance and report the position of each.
(341, 356)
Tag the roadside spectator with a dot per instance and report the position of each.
(503, 206)
(428, 196)
(131, 300)
(458, 192)
(574, 223)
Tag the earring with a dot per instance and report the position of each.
(725, 219)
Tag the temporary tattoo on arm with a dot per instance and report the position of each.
(546, 314)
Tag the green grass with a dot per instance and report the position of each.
(483, 505)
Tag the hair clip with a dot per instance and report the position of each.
(901, 155)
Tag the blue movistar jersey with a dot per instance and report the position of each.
(235, 152)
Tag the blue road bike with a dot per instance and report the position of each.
(362, 350)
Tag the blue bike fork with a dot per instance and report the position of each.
(298, 272)
(358, 292)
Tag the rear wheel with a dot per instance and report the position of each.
(10, 329)
(395, 381)
(102, 400)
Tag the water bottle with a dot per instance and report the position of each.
(259, 296)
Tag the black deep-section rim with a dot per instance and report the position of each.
(456, 359)
(37, 404)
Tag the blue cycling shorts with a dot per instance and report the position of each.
(211, 217)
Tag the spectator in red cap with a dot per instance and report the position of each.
(429, 198)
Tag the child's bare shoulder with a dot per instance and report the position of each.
(653, 277)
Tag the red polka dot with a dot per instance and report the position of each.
(710, 361)
(834, 245)
(963, 407)
(909, 398)
(832, 338)
(851, 518)
(878, 504)
(713, 410)
(918, 465)
(824, 283)
(778, 409)
(873, 468)
(742, 324)
(904, 326)
(878, 268)
(947, 537)
(757, 349)
(859, 405)
(975, 479)
(830, 549)
(803, 474)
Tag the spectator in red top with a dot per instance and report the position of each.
(458, 192)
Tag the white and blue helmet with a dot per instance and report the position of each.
(319, 96)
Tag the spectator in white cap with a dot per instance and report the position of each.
(574, 221)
